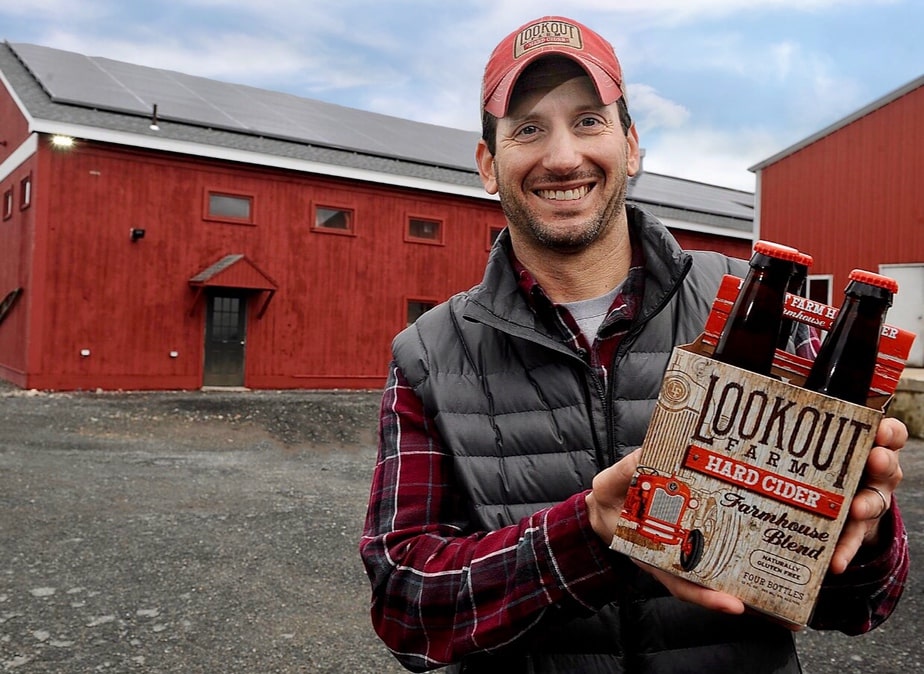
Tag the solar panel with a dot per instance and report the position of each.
(73, 78)
(117, 86)
(668, 191)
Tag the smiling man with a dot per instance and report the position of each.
(512, 412)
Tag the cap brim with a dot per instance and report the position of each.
(497, 101)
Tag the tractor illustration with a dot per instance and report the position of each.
(656, 504)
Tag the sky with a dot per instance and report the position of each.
(714, 86)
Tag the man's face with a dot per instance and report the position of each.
(561, 161)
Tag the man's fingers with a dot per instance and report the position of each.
(892, 433)
(848, 544)
(695, 594)
(604, 501)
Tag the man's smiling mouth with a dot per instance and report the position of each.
(564, 195)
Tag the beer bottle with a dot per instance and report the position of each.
(751, 333)
(847, 357)
(796, 286)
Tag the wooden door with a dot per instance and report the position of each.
(225, 339)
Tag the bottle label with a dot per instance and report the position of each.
(894, 345)
(745, 481)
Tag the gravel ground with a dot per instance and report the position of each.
(217, 532)
(206, 532)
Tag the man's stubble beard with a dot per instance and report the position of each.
(524, 221)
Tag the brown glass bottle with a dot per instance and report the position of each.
(847, 357)
(753, 328)
(796, 286)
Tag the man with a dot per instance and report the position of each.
(512, 411)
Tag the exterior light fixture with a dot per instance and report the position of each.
(136, 233)
(63, 142)
(154, 126)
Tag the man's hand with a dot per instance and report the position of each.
(604, 503)
(881, 478)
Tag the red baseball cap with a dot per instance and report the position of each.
(550, 35)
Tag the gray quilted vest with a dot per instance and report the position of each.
(529, 425)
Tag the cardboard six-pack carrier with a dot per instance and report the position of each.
(745, 481)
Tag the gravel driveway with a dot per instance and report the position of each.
(217, 532)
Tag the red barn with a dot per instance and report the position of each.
(851, 195)
(164, 231)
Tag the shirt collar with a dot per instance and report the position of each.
(539, 301)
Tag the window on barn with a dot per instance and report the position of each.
(422, 230)
(8, 204)
(818, 288)
(417, 308)
(230, 207)
(331, 219)
(25, 192)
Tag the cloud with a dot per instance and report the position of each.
(678, 10)
(63, 10)
(820, 95)
(784, 56)
(713, 156)
(652, 111)
(711, 83)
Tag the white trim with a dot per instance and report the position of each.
(704, 229)
(258, 158)
(828, 278)
(899, 265)
(18, 156)
(11, 90)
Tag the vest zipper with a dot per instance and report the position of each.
(624, 345)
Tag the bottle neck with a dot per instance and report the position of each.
(846, 363)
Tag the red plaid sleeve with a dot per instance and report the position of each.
(807, 339)
(441, 590)
(862, 597)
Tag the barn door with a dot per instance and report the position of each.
(225, 338)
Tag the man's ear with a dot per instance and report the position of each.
(633, 161)
(485, 161)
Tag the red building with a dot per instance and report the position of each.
(851, 195)
(162, 231)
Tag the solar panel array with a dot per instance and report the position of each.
(653, 188)
(116, 86)
(96, 83)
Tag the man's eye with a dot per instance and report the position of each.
(528, 130)
(589, 122)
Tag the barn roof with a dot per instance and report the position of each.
(113, 101)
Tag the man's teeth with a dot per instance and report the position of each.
(564, 195)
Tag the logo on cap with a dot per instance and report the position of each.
(547, 33)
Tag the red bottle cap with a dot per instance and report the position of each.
(777, 250)
(873, 279)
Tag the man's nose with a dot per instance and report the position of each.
(563, 153)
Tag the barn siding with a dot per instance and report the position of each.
(340, 298)
(740, 248)
(15, 244)
(853, 198)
